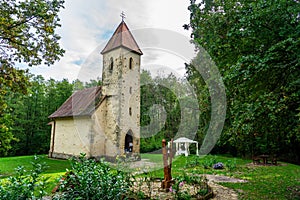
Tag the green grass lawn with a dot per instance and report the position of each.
(264, 182)
(55, 169)
(156, 158)
(8, 164)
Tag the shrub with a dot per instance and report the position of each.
(89, 179)
(208, 162)
(25, 185)
(231, 165)
(188, 187)
(193, 162)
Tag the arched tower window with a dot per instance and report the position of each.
(111, 64)
(130, 90)
(130, 63)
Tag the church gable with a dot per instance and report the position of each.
(80, 103)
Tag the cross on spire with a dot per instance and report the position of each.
(122, 15)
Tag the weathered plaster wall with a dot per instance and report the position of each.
(72, 136)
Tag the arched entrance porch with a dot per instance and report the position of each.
(128, 142)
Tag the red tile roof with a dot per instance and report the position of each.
(81, 103)
(122, 37)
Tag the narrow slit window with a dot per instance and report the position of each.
(130, 63)
(130, 111)
(111, 64)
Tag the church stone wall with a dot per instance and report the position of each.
(130, 98)
(103, 144)
(122, 87)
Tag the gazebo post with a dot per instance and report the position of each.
(186, 149)
(197, 151)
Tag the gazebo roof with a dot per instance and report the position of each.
(184, 139)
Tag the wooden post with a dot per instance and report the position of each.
(167, 160)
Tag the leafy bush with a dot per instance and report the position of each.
(198, 187)
(208, 162)
(89, 179)
(25, 185)
(231, 165)
(195, 161)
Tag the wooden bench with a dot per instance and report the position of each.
(265, 159)
(256, 160)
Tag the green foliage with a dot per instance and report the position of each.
(25, 185)
(231, 165)
(168, 109)
(27, 34)
(160, 110)
(27, 31)
(256, 48)
(89, 179)
(6, 136)
(199, 186)
(11, 81)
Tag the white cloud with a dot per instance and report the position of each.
(86, 26)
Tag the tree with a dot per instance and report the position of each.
(255, 44)
(30, 114)
(167, 110)
(27, 34)
(27, 31)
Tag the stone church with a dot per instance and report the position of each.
(103, 121)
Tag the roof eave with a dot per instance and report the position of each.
(122, 46)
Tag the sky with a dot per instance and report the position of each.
(87, 26)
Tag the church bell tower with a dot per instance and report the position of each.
(121, 87)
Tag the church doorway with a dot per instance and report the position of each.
(128, 142)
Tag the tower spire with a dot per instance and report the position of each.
(122, 37)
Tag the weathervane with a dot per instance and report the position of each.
(122, 15)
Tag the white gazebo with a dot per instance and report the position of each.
(182, 146)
